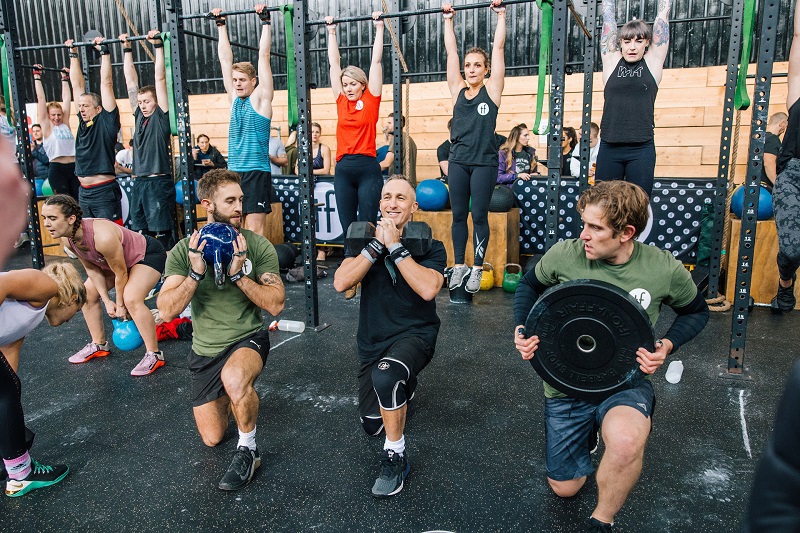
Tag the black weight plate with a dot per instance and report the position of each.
(589, 331)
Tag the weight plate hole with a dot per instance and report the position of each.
(586, 343)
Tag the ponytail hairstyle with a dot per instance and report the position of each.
(70, 286)
(69, 207)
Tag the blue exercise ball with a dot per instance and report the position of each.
(764, 210)
(126, 335)
(218, 251)
(432, 195)
(179, 192)
(39, 182)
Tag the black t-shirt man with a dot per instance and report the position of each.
(151, 143)
(772, 145)
(94, 144)
(390, 309)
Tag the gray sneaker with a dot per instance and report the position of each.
(474, 282)
(457, 275)
(394, 469)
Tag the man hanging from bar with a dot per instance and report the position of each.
(786, 196)
(251, 116)
(633, 61)
(153, 196)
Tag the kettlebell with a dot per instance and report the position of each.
(511, 277)
(126, 335)
(487, 277)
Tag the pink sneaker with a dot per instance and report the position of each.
(151, 362)
(90, 351)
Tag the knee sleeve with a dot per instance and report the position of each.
(390, 378)
(372, 424)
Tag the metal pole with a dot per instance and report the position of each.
(589, 47)
(181, 94)
(226, 13)
(20, 121)
(721, 196)
(747, 237)
(307, 203)
(556, 121)
(427, 11)
(397, 100)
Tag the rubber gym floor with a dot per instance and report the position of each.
(475, 434)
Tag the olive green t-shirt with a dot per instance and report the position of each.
(652, 277)
(221, 317)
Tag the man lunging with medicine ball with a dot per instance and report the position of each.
(613, 213)
(251, 116)
(229, 343)
(397, 325)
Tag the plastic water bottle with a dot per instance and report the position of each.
(674, 371)
(294, 326)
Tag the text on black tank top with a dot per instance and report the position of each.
(472, 131)
(629, 109)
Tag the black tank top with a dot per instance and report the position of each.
(629, 109)
(472, 131)
(790, 148)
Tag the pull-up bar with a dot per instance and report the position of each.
(233, 43)
(47, 69)
(210, 15)
(62, 45)
(428, 11)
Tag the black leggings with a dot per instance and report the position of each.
(633, 162)
(13, 438)
(63, 180)
(477, 182)
(786, 202)
(357, 183)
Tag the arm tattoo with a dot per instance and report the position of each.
(133, 98)
(608, 39)
(663, 5)
(660, 32)
(268, 278)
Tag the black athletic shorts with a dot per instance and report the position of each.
(103, 200)
(412, 352)
(153, 204)
(258, 192)
(206, 371)
(155, 256)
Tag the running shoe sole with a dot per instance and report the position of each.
(27, 486)
(98, 353)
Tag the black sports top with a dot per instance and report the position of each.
(629, 109)
(472, 130)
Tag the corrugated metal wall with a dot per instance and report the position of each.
(53, 21)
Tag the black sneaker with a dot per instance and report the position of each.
(41, 476)
(595, 525)
(394, 469)
(784, 301)
(243, 466)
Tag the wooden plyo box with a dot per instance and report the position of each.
(503, 238)
(764, 281)
(273, 224)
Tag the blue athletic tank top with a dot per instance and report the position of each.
(248, 138)
(318, 161)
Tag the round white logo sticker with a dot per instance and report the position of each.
(248, 267)
(641, 296)
(359, 105)
(328, 226)
(483, 109)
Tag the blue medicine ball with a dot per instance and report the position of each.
(764, 211)
(432, 195)
(179, 192)
(218, 252)
(39, 182)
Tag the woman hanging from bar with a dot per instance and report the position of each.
(357, 177)
(474, 149)
(633, 61)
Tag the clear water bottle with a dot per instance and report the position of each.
(674, 371)
(294, 326)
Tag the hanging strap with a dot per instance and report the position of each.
(6, 86)
(291, 74)
(173, 115)
(742, 99)
(545, 44)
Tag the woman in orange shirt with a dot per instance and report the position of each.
(357, 178)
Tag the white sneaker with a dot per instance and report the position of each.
(474, 282)
(457, 275)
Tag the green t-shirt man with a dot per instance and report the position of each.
(652, 276)
(223, 317)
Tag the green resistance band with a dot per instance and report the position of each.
(173, 115)
(545, 44)
(6, 86)
(291, 75)
(742, 99)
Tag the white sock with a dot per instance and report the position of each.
(397, 447)
(247, 439)
(478, 269)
